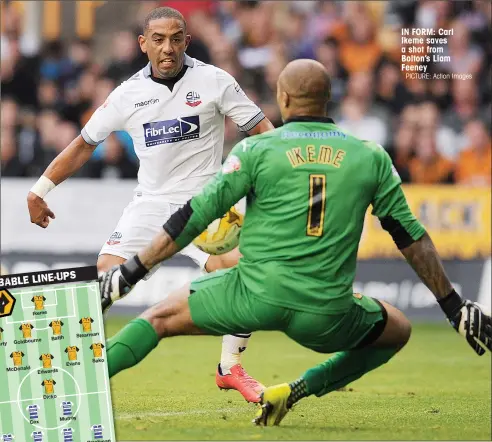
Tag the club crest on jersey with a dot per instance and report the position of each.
(171, 131)
(238, 88)
(232, 164)
(193, 99)
(114, 239)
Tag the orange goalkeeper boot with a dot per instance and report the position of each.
(241, 381)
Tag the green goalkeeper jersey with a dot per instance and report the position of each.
(308, 186)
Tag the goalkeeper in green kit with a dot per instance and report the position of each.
(308, 186)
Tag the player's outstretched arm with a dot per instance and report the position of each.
(69, 161)
(231, 183)
(468, 318)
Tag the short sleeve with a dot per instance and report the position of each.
(234, 103)
(92, 320)
(106, 119)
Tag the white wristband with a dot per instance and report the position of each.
(43, 186)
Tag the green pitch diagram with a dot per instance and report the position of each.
(54, 383)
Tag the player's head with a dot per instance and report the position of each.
(165, 41)
(303, 89)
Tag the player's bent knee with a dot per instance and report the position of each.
(172, 317)
(224, 261)
(106, 262)
(397, 331)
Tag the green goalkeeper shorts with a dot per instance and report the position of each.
(220, 305)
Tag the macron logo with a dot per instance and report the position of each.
(146, 103)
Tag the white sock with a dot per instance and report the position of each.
(232, 347)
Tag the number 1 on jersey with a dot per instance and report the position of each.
(317, 198)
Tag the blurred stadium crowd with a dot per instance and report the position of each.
(437, 131)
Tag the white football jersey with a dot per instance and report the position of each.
(178, 136)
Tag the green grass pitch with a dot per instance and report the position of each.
(436, 388)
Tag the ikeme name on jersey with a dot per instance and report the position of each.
(172, 131)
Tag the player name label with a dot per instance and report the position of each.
(72, 364)
(86, 335)
(33, 422)
(57, 338)
(3, 344)
(97, 360)
(27, 341)
(39, 313)
(70, 418)
(53, 370)
(49, 396)
(27, 367)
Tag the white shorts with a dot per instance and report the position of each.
(141, 221)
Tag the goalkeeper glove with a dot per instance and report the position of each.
(470, 320)
(117, 282)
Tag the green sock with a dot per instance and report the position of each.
(130, 345)
(343, 368)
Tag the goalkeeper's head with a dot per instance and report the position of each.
(303, 89)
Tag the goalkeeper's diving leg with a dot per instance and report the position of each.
(229, 374)
(385, 338)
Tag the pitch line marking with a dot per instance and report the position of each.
(41, 319)
(126, 416)
(52, 289)
(32, 306)
(58, 396)
(50, 319)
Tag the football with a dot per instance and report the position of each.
(222, 235)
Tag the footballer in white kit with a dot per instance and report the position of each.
(178, 136)
(174, 110)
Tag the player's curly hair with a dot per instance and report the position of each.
(163, 12)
